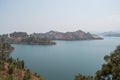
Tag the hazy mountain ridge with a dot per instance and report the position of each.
(111, 34)
(76, 35)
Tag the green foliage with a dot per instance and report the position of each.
(112, 67)
(22, 64)
(7, 78)
(106, 58)
(5, 47)
(10, 70)
(37, 40)
(81, 77)
(27, 75)
(109, 71)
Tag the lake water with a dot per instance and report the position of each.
(64, 60)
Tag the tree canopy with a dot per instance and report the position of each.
(111, 69)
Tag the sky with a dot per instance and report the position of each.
(59, 15)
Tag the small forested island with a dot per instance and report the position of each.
(14, 69)
(109, 71)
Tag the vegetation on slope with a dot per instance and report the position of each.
(11, 69)
(5, 47)
(111, 69)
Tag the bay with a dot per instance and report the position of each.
(67, 58)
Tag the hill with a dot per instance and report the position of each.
(76, 35)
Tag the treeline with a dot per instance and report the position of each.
(109, 71)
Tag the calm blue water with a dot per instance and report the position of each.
(67, 58)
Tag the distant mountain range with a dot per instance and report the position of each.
(111, 34)
(76, 35)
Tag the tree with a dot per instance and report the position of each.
(112, 67)
(81, 77)
(22, 64)
(10, 70)
(106, 58)
(27, 75)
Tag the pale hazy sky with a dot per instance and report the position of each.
(59, 15)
